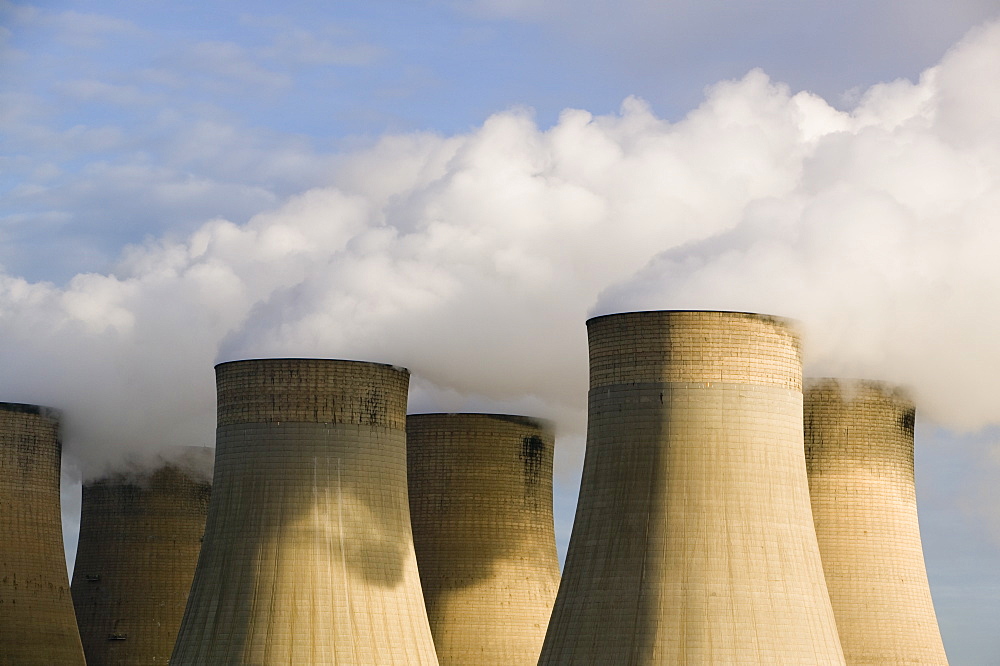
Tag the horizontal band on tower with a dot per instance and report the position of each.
(284, 390)
(694, 346)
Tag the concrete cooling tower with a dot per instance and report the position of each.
(308, 556)
(140, 536)
(859, 452)
(481, 506)
(693, 541)
(37, 625)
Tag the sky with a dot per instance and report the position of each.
(455, 186)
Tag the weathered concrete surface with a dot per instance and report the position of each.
(481, 506)
(859, 451)
(693, 541)
(140, 536)
(37, 624)
(308, 555)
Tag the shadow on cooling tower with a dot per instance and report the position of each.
(626, 473)
(308, 555)
(838, 411)
(693, 540)
(37, 623)
(480, 489)
(480, 494)
(309, 532)
(859, 453)
(140, 535)
(318, 507)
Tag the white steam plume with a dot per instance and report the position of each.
(884, 247)
(474, 260)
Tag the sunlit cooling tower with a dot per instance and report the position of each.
(859, 452)
(37, 625)
(140, 535)
(481, 506)
(693, 541)
(308, 555)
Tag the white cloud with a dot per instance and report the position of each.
(89, 30)
(91, 90)
(306, 47)
(882, 248)
(86, 30)
(227, 67)
(475, 259)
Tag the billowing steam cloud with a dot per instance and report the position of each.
(474, 260)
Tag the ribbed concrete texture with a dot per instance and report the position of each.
(37, 624)
(693, 541)
(859, 451)
(308, 555)
(140, 536)
(481, 505)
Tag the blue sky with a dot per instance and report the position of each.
(197, 182)
(106, 101)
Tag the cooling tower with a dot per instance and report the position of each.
(308, 555)
(37, 625)
(859, 452)
(140, 536)
(481, 506)
(693, 541)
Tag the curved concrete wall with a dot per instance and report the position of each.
(139, 542)
(308, 555)
(481, 506)
(693, 540)
(859, 450)
(37, 624)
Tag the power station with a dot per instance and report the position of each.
(859, 451)
(37, 624)
(724, 516)
(308, 555)
(481, 504)
(694, 539)
(140, 535)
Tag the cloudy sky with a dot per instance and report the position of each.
(455, 186)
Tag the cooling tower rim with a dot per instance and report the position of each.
(27, 408)
(787, 321)
(848, 384)
(534, 421)
(397, 368)
(856, 382)
(141, 478)
(862, 381)
(136, 470)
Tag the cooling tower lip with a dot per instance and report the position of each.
(390, 366)
(520, 419)
(192, 461)
(786, 321)
(26, 408)
(858, 383)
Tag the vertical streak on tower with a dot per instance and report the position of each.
(693, 540)
(859, 452)
(308, 555)
(37, 625)
(481, 505)
(140, 536)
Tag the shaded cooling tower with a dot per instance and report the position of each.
(308, 555)
(481, 506)
(693, 541)
(37, 625)
(859, 451)
(140, 536)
